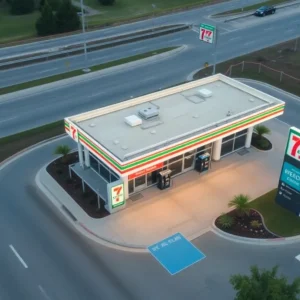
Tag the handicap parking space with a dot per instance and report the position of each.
(176, 253)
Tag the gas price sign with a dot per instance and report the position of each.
(207, 33)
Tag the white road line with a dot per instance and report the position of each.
(246, 44)
(267, 29)
(234, 38)
(289, 30)
(18, 256)
(5, 120)
(100, 57)
(174, 40)
(298, 257)
(147, 79)
(44, 292)
(196, 30)
(48, 70)
(137, 49)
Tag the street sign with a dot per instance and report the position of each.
(207, 33)
(288, 193)
(176, 253)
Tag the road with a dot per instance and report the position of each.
(63, 265)
(112, 87)
(190, 17)
(242, 33)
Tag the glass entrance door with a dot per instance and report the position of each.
(140, 183)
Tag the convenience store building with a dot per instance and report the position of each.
(132, 145)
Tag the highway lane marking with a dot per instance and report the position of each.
(5, 120)
(48, 70)
(174, 40)
(298, 257)
(234, 38)
(137, 49)
(249, 43)
(267, 29)
(44, 292)
(100, 57)
(289, 29)
(18, 256)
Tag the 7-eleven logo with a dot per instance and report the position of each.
(117, 195)
(74, 133)
(293, 148)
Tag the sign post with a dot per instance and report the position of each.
(208, 34)
(288, 193)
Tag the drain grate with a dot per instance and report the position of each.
(242, 152)
(136, 197)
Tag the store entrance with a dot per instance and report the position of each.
(140, 183)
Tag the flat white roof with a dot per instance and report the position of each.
(183, 113)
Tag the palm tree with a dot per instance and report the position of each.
(241, 204)
(261, 130)
(63, 150)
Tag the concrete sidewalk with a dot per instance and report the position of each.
(189, 206)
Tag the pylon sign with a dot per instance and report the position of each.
(207, 33)
(288, 193)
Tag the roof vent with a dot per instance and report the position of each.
(92, 125)
(133, 120)
(229, 113)
(124, 147)
(204, 93)
(251, 99)
(153, 131)
(149, 112)
(116, 142)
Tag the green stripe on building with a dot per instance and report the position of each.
(177, 147)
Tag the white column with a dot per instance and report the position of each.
(249, 137)
(217, 150)
(87, 157)
(80, 155)
(125, 181)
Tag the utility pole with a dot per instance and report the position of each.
(215, 51)
(86, 69)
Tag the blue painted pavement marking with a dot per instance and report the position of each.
(176, 253)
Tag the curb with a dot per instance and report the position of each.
(85, 77)
(281, 241)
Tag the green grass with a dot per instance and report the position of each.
(16, 27)
(252, 7)
(277, 219)
(125, 10)
(14, 143)
(58, 77)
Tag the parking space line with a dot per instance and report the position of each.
(298, 257)
(18, 256)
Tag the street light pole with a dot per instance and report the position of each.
(215, 51)
(86, 69)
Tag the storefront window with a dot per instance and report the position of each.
(104, 172)
(94, 163)
(175, 158)
(188, 159)
(140, 181)
(227, 138)
(130, 187)
(240, 142)
(113, 177)
(176, 168)
(242, 132)
(227, 147)
(152, 178)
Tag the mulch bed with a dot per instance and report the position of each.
(242, 226)
(88, 200)
(264, 144)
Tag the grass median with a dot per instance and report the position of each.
(277, 219)
(252, 7)
(278, 65)
(30, 84)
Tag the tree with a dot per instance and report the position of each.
(261, 130)
(241, 204)
(54, 4)
(63, 150)
(264, 285)
(45, 25)
(66, 17)
(22, 7)
(107, 2)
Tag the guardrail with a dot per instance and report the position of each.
(94, 45)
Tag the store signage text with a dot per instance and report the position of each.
(293, 148)
(145, 171)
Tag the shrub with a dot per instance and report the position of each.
(45, 25)
(241, 204)
(226, 221)
(255, 224)
(22, 7)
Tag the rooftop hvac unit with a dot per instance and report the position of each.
(204, 93)
(149, 112)
(133, 120)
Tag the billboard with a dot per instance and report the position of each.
(288, 193)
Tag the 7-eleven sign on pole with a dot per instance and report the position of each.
(207, 33)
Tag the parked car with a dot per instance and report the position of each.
(265, 10)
